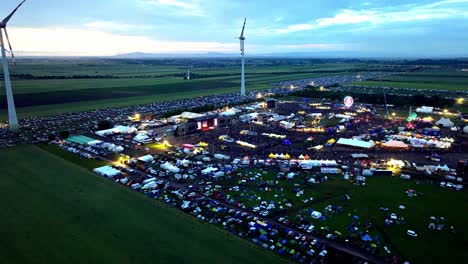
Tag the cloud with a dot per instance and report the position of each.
(379, 16)
(177, 7)
(279, 19)
(296, 27)
(115, 26)
(62, 41)
(316, 46)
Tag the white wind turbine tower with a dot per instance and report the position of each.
(241, 38)
(12, 119)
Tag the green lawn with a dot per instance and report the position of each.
(54, 211)
(415, 85)
(74, 158)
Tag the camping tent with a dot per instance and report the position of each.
(146, 158)
(141, 137)
(445, 122)
(465, 130)
(316, 214)
(169, 167)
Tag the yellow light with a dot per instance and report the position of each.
(460, 100)
(137, 116)
(259, 96)
(393, 114)
(322, 89)
(445, 111)
(292, 87)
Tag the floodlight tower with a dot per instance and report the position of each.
(241, 38)
(12, 118)
(384, 96)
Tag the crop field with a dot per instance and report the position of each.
(431, 80)
(54, 211)
(43, 87)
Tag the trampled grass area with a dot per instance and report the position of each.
(54, 211)
(430, 246)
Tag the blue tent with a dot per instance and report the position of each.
(367, 238)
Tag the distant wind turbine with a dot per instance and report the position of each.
(241, 38)
(12, 118)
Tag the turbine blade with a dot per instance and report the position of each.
(5, 21)
(9, 45)
(243, 27)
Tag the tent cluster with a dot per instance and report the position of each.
(116, 130)
(279, 156)
(104, 145)
(107, 171)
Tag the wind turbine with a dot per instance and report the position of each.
(241, 38)
(12, 119)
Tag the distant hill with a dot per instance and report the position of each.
(142, 55)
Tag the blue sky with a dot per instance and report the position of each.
(383, 28)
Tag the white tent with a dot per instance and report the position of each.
(116, 130)
(465, 130)
(286, 125)
(146, 158)
(208, 170)
(316, 214)
(141, 137)
(169, 167)
(445, 122)
(395, 144)
(425, 109)
(355, 143)
(248, 117)
(107, 171)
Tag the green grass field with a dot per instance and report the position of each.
(429, 79)
(54, 211)
(430, 246)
